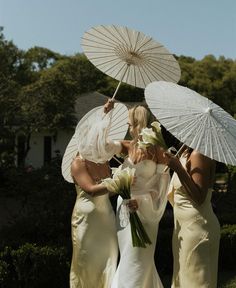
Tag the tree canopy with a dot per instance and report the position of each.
(38, 87)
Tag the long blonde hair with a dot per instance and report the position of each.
(140, 117)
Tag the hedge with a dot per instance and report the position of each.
(32, 266)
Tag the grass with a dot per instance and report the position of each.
(226, 279)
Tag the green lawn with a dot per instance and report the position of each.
(227, 279)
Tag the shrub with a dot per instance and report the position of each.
(44, 207)
(3, 271)
(32, 266)
(227, 255)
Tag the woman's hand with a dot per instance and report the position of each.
(132, 204)
(134, 180)
(172, 161)
(108, 106)
(197, 179)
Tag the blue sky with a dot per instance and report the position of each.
(186, 27)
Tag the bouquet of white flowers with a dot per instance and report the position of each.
(120, 184)
(152, 136)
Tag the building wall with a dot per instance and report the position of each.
(84, 103)
(35, 156)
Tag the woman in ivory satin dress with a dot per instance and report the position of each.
(197, 232)
(94, 238)
(136, 267)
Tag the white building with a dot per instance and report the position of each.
(44, 145)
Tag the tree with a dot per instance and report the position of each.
(226, 93)
(212, 78)
(41, 58)
(47, 104)
(38, 88)
(85, 75)
(10, 57)
(126, 93)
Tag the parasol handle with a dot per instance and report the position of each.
(181, 149)
(118, 86)
(117, 160)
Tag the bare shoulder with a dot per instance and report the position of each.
(195, 153)
(198, 159)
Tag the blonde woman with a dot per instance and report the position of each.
(136, 268)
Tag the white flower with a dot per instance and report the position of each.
(125, 176)
(151, 136)
(142, 145)
(122, 179)
(156, 125)
(148, 136)
(111, 185)
(116, 171)
(129, 173)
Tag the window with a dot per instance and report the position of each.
(47, 149)
(20, 150)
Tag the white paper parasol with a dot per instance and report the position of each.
(129, 56)
(85, 134)
(195, 120)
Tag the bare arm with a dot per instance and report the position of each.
(160, 152)
(198, 179)
(81, 177)
(125, 146)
